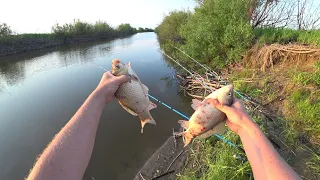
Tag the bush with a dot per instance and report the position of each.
(218, 33)
(5, 30)
(76, 28)
(169, 29)
(140, 29)
(126, 29)
(100, 28)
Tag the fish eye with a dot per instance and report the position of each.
(229, 94)
(117, 66)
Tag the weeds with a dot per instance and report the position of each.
(286, 36)
(213, 159)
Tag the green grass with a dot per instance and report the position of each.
(303, 105)
(285, 36)
(214, 160)
(305, 78)
(314, 162)
(305, 111)
(22, 37)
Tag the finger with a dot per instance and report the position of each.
(108, 74)
(229, 123)
(122, 79)
(221, 107)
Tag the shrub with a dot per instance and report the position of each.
(5, 30)
(218, 33)
(169, 29)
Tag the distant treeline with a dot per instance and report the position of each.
(76, 31)
(218, 33)
(100, 28)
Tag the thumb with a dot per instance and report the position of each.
(122, 79)
(225, 109)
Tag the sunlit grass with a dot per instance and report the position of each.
(214, 159)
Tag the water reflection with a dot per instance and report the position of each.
(48, 86)
(11, 73)
(13, 68)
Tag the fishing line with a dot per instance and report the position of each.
(214, 73)
(217, 135)
(181, 114)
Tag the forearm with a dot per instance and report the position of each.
(265, 161)
(68, 155)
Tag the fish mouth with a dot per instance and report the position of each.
(115, 66)
(228, 100)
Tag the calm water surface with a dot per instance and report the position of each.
(40, 91)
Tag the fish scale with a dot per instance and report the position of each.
(132, 96)
(207, 120)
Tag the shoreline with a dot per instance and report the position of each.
(166, 162)
(21, 45)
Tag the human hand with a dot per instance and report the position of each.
(109, 84)
(236, 114)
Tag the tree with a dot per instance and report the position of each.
(275, 13)
(308, 16)
(169, 29)
(126, 29)
(5, 30)
(218, 32)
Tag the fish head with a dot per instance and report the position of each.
(225, 95)
(119, 68)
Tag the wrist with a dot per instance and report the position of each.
(99, 95)
(247, 126)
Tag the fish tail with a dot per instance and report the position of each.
(146, 118)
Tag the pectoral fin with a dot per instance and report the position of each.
(184, 124)
(133, 75)
(195, 104)
(145, 88)
(218, 129)
(151, 106)
(127, 109)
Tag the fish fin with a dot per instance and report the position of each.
(187, 138)
(195, 104)
(184, 124)
(146, 89)
(177, 133)
(131, 73)
(146, 118)
(151, 106)
(218, 129)
(127, 109)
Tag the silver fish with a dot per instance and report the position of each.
(132, 96)
(207, 120)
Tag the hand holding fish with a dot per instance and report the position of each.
(109, 84)
(236, 114)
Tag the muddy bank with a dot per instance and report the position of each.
(19, 45)
(166, 162)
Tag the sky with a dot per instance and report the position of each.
(38, 16)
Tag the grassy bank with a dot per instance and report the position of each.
(275, 64)
(75, 32)
(291, 92)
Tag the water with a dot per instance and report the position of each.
(40, 91)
